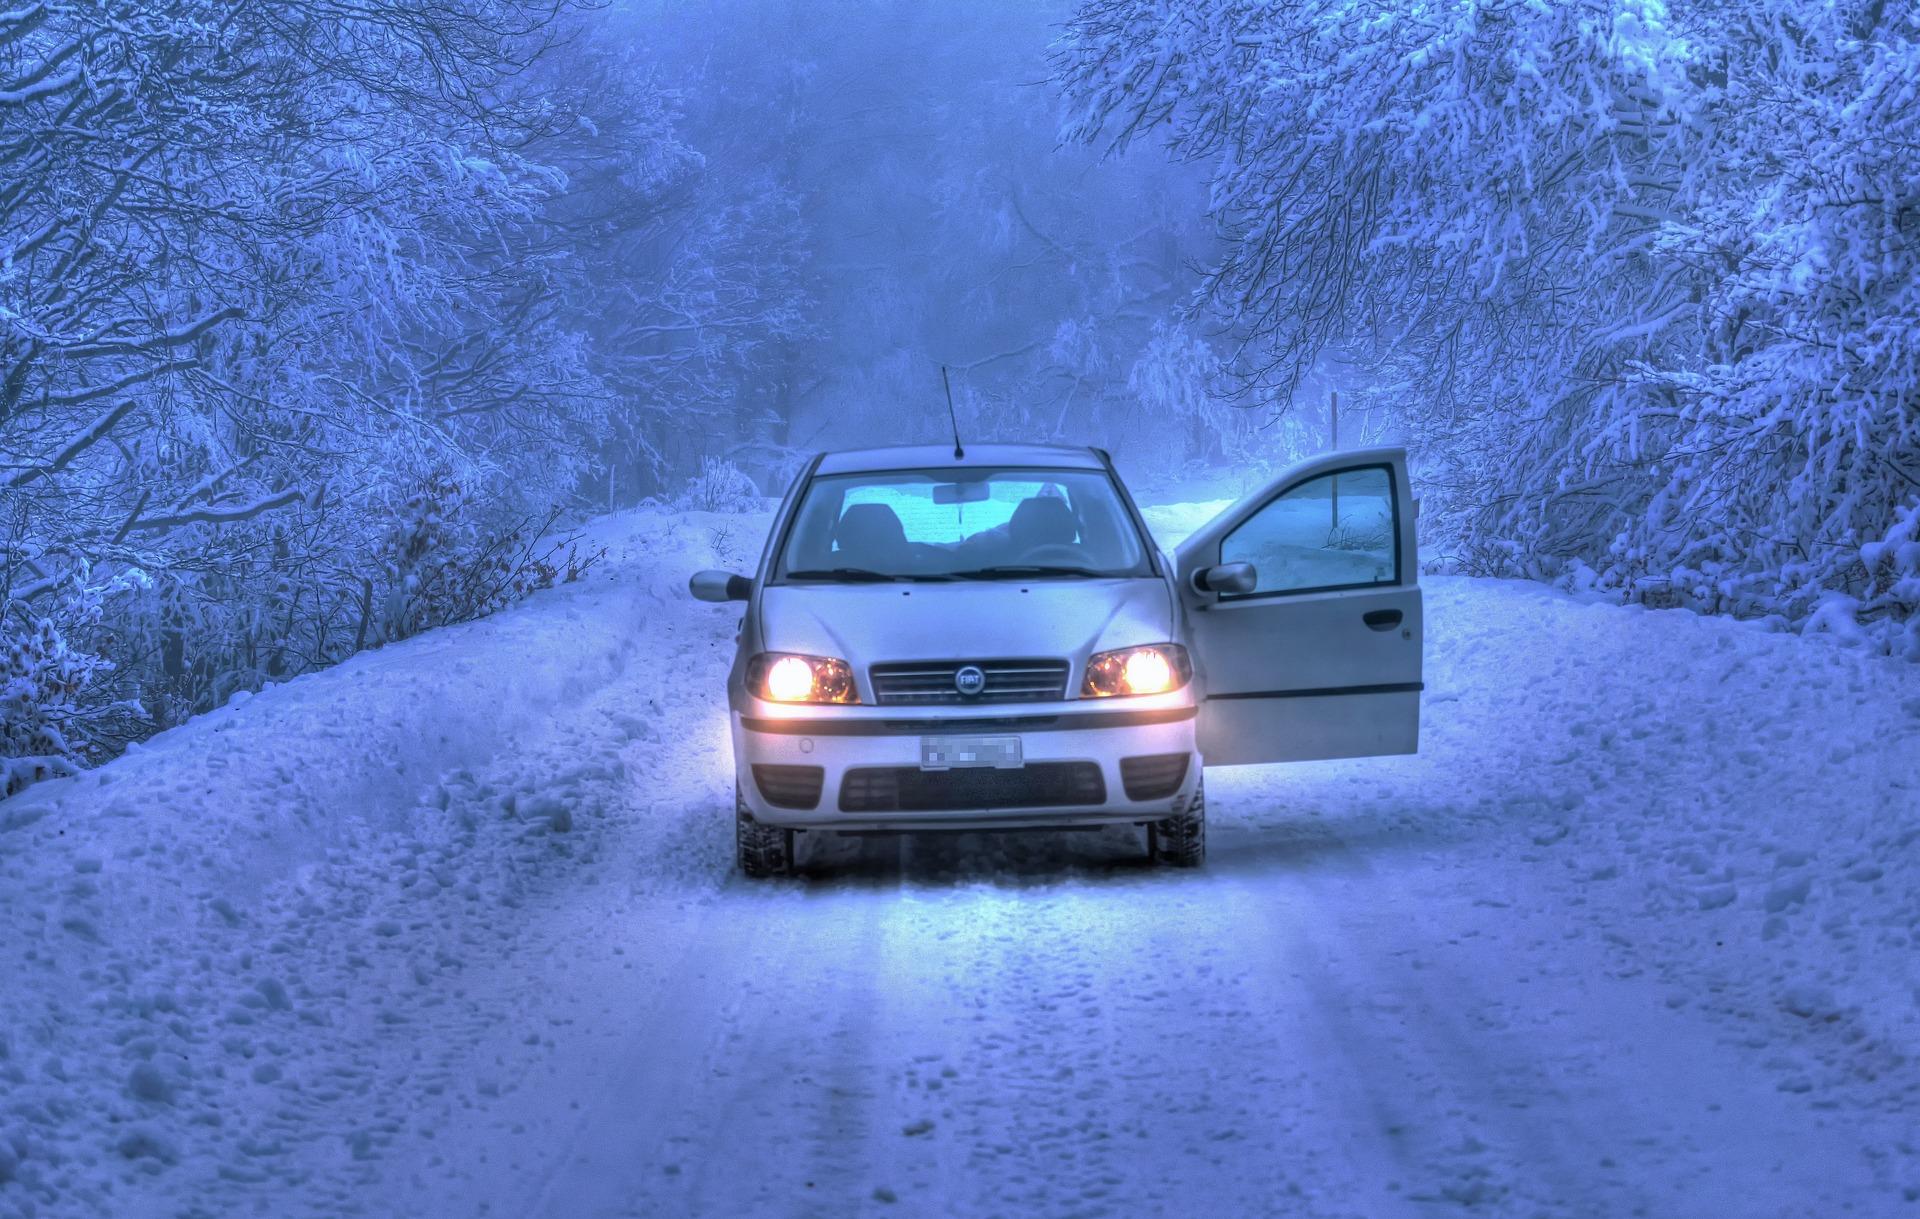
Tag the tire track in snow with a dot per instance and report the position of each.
(1399, 1098)
(1574, 1093)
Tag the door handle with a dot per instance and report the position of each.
(1381, 620)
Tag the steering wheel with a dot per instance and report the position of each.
(1050, 553)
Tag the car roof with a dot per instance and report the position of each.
(940, 457)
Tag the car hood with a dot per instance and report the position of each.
(866, 624)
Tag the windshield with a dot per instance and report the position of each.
(978, 524)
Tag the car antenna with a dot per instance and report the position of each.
(959, 454)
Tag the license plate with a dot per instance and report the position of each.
(953, 752)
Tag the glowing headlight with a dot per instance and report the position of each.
(1154, 669)
(783, 678)
(1147, 672)
(790, 680)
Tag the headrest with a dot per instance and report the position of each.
(1043, 520)
(871, 529)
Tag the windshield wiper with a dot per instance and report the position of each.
(1003, 571)
(859, 575)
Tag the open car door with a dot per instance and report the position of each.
(1319, 654)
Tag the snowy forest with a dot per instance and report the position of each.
(1382, 680)
(324, 324)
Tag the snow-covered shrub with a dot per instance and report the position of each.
(43, 688)
(58, 702)
(1893, 578)
(720, 486)
(1642, 279)
(442, 563)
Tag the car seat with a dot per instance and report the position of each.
(1043, 520)
(870, 535)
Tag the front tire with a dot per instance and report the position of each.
(764, 850)
(1182, 838)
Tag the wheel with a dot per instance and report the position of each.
(1181, 840)
(765, 850)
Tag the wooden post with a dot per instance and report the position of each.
(1333, 419)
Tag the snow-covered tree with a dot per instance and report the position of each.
(1643, 278)
(1176, 380)
(688, 272)
(270, 274)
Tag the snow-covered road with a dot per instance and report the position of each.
(1634, 934)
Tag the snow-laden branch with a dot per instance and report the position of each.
(26, 91)
(223, 516)
(94, 393)
(81, 441)
(179, 336)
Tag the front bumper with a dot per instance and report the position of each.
(870, 778)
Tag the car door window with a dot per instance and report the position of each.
(1339, 530)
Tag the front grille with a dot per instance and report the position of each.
(931, 681)
(1154, 776)
(908, 789)
(789, 786)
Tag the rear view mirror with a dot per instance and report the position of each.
(1235, 578)
(719, 586)
(961, 493)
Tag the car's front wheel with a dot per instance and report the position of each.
(1181, 839)
(764, 850)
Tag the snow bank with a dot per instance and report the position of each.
(1735, 810)
(165, 912)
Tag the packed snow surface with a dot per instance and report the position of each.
(453, 930)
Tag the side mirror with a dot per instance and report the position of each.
(1227, 578)
(719, 586)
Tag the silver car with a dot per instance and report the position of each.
(938, 640)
